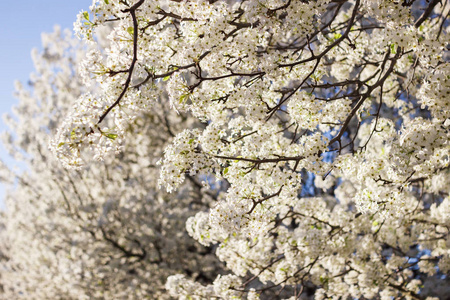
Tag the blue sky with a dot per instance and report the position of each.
(21, 25)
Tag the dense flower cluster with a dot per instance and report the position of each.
(324, 143)
(327, 122)
(107, 232)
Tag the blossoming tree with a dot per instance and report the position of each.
(107, 232)
(325, 136)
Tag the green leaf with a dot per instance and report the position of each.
(183, 97)
(191, 141)
(111, 136)
(130, 30)
(324, 280)
(86, 15)
(225, 171)
(375, 223)
(61, 144)
(106, 1)
(393, 49)
(166, 78)
(337, 36)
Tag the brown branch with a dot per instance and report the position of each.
(317, 58)
(261, 161)
(169, 73)
(175, 16)
(132, 11)
(126, 252)
(364, 97)
(335, 43)
(426, 13)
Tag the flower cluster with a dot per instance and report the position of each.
(324, 139)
